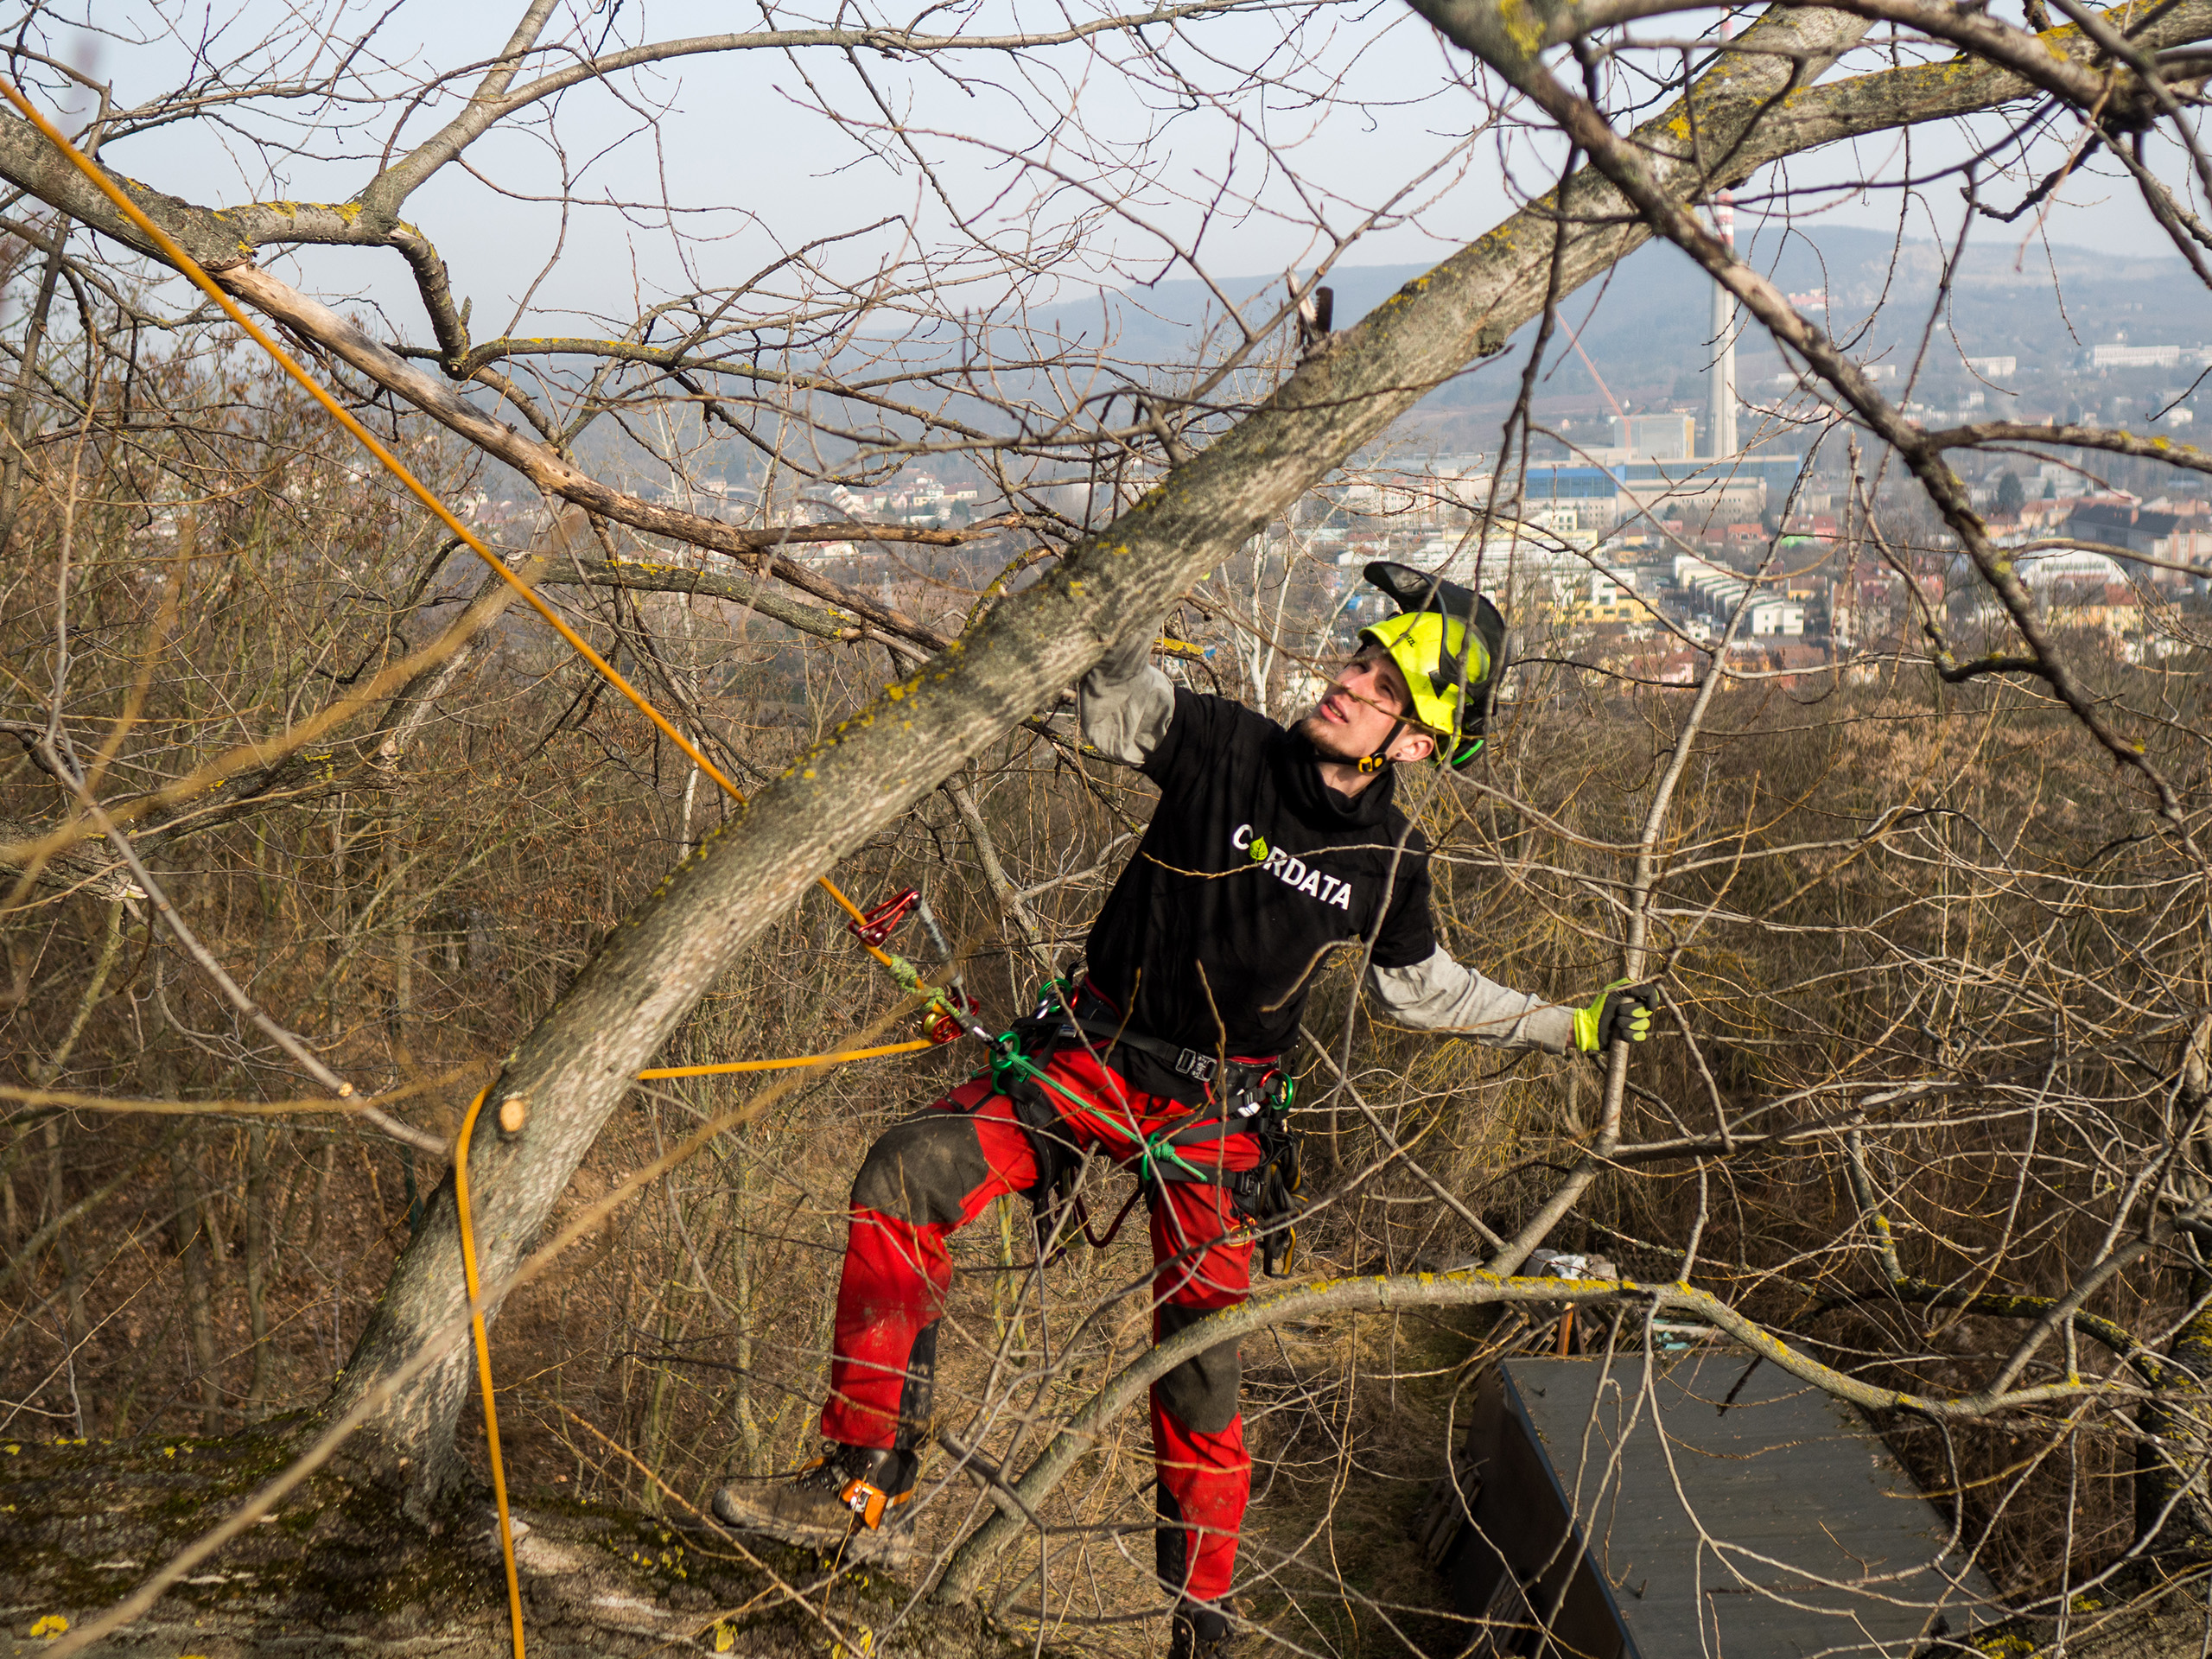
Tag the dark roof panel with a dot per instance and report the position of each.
(1778, 1528)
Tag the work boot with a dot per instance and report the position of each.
(848, 1494)
(1198, 1630)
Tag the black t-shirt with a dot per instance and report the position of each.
(1251, 867)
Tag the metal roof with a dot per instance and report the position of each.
(1778, 1528)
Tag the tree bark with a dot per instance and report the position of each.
(19, 400)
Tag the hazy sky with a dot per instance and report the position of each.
(736, 144)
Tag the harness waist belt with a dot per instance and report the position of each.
(1184, 1062)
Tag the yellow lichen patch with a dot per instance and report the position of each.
(51, 1626)
(1521, 25)
(725, 1635)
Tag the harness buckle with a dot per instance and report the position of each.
(1258, 1093)
(1199, 1068)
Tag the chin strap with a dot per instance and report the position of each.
(1381, 758)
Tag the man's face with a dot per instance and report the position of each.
(1367, 697)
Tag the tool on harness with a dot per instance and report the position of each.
(952, 1010)
(1267, 1195)
(1269, 1192)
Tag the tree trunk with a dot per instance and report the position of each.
(192, 1262)
(19, 400)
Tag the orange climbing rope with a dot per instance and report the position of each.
(914, 1047)
(902, 971)
(484, 1363)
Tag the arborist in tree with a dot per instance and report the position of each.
(1269, 847)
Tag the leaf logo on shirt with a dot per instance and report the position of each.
(1291, 869)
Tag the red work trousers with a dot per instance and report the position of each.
(930, 1175)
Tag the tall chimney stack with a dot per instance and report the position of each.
(1721, 423)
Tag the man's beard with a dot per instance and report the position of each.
(1325, 743)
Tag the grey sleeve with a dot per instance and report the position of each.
(1126, 704)
(1438, 993)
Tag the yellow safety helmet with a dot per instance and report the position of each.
(1449, 642)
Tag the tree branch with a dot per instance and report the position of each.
(970, 1564)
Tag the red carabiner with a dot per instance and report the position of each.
(882, 922)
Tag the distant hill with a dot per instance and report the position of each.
(1646, 325)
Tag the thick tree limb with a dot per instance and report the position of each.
(79, 868)
(2113, 440)
(971, 1564)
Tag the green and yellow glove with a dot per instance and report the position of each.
(1622, 1013)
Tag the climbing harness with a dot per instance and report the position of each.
(1247, 1095)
